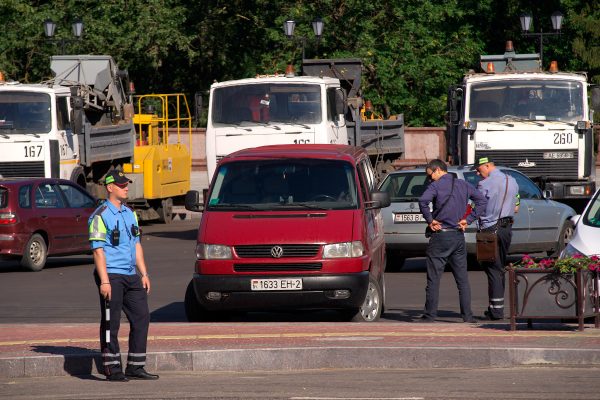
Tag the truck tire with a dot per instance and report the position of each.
(372, 307)
(35, 254)
(165, 211)
(565, 236)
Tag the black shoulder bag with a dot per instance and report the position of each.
(487, 242)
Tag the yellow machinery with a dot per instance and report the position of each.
(162, 163)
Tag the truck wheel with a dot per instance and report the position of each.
(35, 254)
(371, 309)
(165, 211)
(566, 234)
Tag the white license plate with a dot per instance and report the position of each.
(276, 284)
(408, 217)
(557, 155)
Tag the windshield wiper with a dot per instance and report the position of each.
(520, 119)
(303, 205)
(234, 206)
(293, 124)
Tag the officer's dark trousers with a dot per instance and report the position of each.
(443, 248)
(129, 295)
(495, 272)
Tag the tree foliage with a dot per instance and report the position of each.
(411, 50)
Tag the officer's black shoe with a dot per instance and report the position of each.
(139, 373)
(490, 317)
(117, 377)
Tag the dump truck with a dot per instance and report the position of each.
(538, 122)
(323, 105)
(78, 126)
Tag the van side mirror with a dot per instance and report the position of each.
(192, 201)
(378, 200)
(596, 98)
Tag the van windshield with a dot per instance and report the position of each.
(23, 112)
(253, 104)
(283, 185)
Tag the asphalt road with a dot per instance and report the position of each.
(64, 291)
(333, 384)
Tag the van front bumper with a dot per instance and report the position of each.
(318, 292)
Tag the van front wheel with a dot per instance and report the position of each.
(372, 306)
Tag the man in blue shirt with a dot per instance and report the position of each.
(114, 236)
(447, 224)
(502, 192)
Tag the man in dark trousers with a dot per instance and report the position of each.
(446, 224)
(114, 235)
(502, 193)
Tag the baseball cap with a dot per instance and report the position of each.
(480, 161)
(116, 177)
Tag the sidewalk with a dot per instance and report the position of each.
(28, 350)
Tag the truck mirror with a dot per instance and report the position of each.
(340, 102)
(192, 201)
(77, 115)
(197, 107)
(596, 99)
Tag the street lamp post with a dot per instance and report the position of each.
(290, 25)
(50, 28)
(556, 18)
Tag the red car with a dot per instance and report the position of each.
(42, 217)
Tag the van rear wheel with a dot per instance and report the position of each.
(372, 306)
(35, 254)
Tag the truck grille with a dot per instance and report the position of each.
(557, 168)
(34, 169)
(277, 267)
(289, 250)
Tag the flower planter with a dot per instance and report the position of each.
(543, 293)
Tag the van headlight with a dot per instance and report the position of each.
(343, 250)
(212, 252)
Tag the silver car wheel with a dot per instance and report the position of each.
(370, 308)
(35, 252)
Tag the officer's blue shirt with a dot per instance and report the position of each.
(454, 210)
(119, 259)
(493, 188)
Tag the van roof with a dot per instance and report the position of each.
(319, 151)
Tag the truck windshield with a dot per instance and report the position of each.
(545, 100)
(283, 185)
(267, 103)
(22, 112)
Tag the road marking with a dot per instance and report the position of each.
(321, 335)
(357, 398)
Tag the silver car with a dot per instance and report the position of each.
(541, 225)
(586, 239)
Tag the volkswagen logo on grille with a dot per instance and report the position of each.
(276, 251)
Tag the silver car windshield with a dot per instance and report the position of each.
(537, 100)
(284, 184)
(267, 103)
(24, 112)
(592, 215)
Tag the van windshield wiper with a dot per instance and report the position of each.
(303, 205)
(233, 206)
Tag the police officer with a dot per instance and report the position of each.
(447, 223)
(114, 235)
(502, 192)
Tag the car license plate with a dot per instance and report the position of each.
(408, 217)
(276, 284)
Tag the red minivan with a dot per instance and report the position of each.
(290, 227)
(42, 217)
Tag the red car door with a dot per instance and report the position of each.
(52, 217)
(80, 205)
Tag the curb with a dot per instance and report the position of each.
(300, 358)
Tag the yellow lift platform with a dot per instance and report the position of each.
(162, 162)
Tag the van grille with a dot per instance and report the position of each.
(277, 267)
(558, 168)
(34, 169)
(289, 250)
